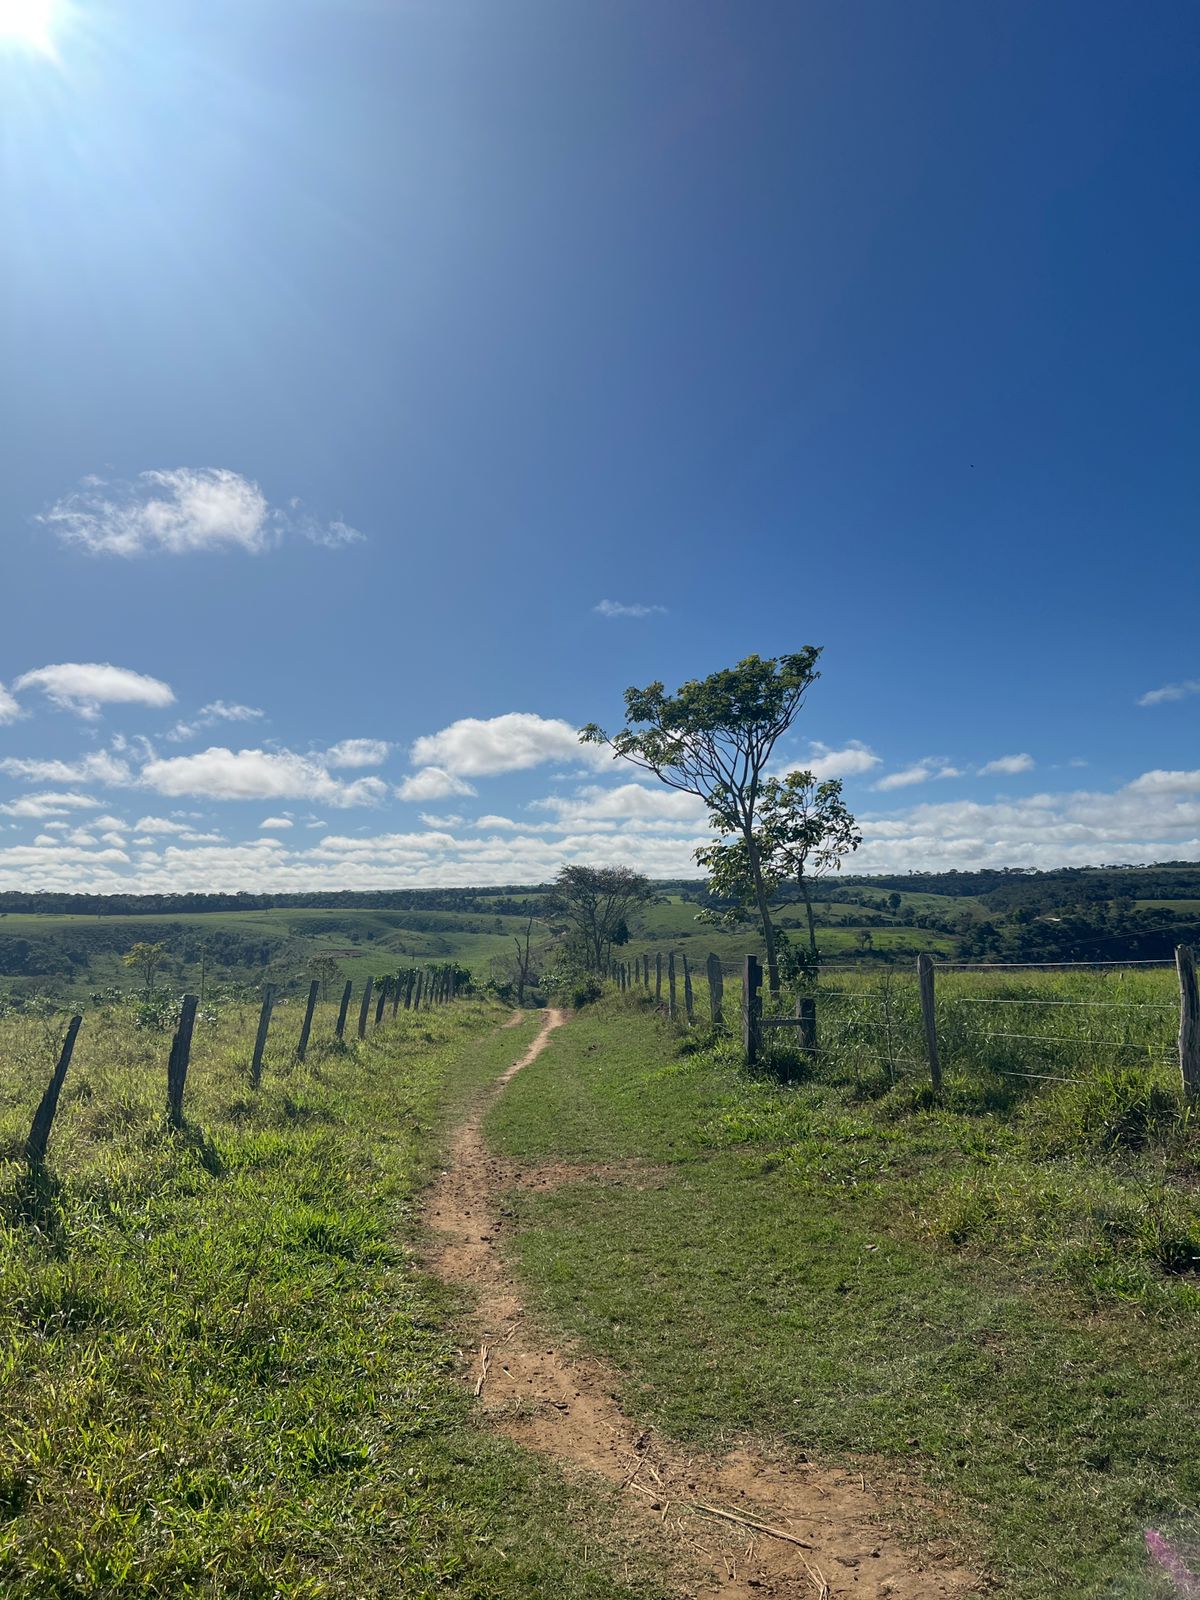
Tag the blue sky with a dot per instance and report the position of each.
(354, 353)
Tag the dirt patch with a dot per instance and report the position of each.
(749, 1526)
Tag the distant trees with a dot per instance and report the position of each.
(596, 904)
(714, 738)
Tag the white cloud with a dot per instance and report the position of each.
(159, 825)
(824, 762)
(9, 709)
(617, 608)
(1170, 691)
(98, 766)
(1159, 782)
(180, 510)
(1155, 817)
(920, 772)
(276, 822)
(430, 821)
(209, 715)
(49, 805)
(477, 747)
(432, 783)
(222, 774)
(357, 753)
(626, 803)
(84, 686)
(1009, 766)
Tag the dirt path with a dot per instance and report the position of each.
(564, 1405)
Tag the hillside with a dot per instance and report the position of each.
(71, 945)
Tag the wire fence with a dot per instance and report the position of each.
(412, 990)
(1043, 1022)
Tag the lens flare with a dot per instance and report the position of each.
(28, 23)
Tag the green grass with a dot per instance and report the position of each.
(222, 1372)
(994, 1300)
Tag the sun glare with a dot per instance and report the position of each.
(28, 23)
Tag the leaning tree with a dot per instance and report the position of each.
(714, 738)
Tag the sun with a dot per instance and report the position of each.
(29, 23)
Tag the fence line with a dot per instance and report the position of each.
(932, 1018)
(439, 989)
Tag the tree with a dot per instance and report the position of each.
(146, 959)
(714, 738)
(522, 943)
(326, 970)
(803, 830)
(595, 902)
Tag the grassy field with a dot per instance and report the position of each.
(72, 956)
(222, 1373)
(992, 1301)
(273, 946)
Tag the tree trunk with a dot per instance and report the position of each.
(808, 909)
(764, 913)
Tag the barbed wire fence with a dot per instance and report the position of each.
(916, 1023)
(412, 989)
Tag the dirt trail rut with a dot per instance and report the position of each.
(828, 1539)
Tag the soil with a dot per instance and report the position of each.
(743, 1525)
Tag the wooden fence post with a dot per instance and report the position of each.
(1189, 1022)
(751, 1007)
(417, 992)
(646, 973)
(342, 1010)
(396, 982)
(806, 1012)
(929, 1016)
(382, 1001)
(43, 1117)
(314, 989)
(671, 985)
(364, 1010)
(177, 1062)
(410, 977)
(658, 977)
(451, 981)
(260, 1038)
(688, 1005)
(716, 988)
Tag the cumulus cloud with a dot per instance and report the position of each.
(9, 709)
(276, 822)
(1008, 766)
(477, 747)
(84, 686)
(824, 762)
(159, 825)
(180, 510)
(208, 716)
(222, 774)
(618, 608)
(49, 805)
(432, 783)
(431, 821)
(1156, 816)
(627, 803)
(919, 772)
(99, 766)
(1170, 691)
(357, 753)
